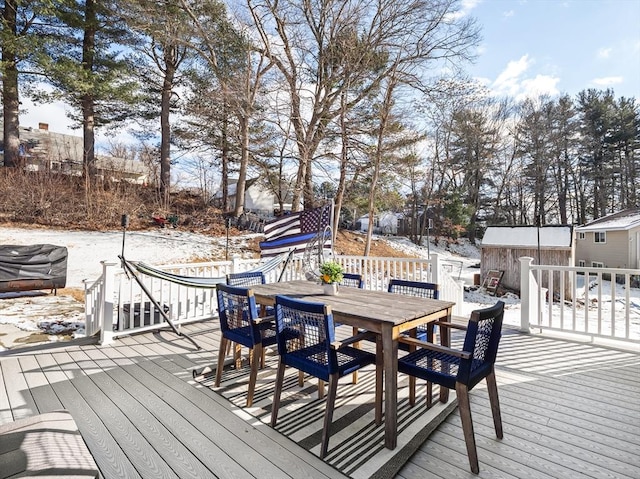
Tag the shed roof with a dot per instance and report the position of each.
(528, 237)
(620, 221)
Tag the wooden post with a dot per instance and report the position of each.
(106, 301)
(527, 301)
(435, 267)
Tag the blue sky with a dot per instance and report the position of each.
(529, 47)
(557, 47)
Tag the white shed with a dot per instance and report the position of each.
(256, 198)
(384, 223)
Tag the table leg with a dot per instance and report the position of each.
(390, 348)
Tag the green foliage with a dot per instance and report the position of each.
(457, 215)
(331, 272)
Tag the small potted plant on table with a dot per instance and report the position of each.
(331, 273)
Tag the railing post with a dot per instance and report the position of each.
(435, 267)
(527, 303)
(106, 299)
(458, 308)
(235, 264)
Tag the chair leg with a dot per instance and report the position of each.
(263, 357)
(462, 393)
(221, 355)
(276, 395)
(328, 414)
(379, 379)
(412, 390)
(430, 394)
(320, 388)
(354, 375)
(237, 354)
(300, 379)
(492, 388)
(256, 354)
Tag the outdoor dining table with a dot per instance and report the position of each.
(386, 314)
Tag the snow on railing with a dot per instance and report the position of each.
(601, 303)
(116, 305)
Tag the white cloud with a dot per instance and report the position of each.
(607, 81)
(465, 9)
(516, 81)
(509, 13)
(470, 4)
(603, 52)
(54, 114)
(540, 85)
(508, 82)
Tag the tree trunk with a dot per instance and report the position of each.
(385, 113)
(165, 125)
(88, 102)
(244, 162)
(10, 98)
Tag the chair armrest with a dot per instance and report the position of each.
(264, 319)
(435, 347)
(447, 324)
(363, 336)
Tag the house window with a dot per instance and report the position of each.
(600, 237)
(597, 264)
(581, 263)
(581, 236)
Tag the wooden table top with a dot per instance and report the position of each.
(353, 305)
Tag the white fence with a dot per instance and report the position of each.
(116, 305)
(592, 302)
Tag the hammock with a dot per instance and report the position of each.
(208, 283)
(191, 281)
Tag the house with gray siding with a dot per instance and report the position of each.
(612, 241)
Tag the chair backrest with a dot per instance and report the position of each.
(305, 331)
(413, 288)
(237, 310)
(353, 280)
(482, 339)
(248, 278)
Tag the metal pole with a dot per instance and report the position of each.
(124, 222)
(428, 242)
(226, 250)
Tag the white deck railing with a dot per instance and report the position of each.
(116, 305)
(592, 302)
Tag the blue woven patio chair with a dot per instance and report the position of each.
(240, 324)
(464, 369)
(421, 290)
(352, 280)
(306, 341)
(245, 279)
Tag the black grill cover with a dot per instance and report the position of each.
(42, 266)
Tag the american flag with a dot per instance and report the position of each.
(294, 231)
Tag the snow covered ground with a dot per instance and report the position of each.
(33, 311)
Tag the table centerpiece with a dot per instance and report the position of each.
(331, 273)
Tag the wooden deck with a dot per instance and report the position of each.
(569, 411)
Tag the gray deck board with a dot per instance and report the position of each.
(41, 391)
(570, 410)
(110, 458)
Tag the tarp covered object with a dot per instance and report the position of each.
(24, 268)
